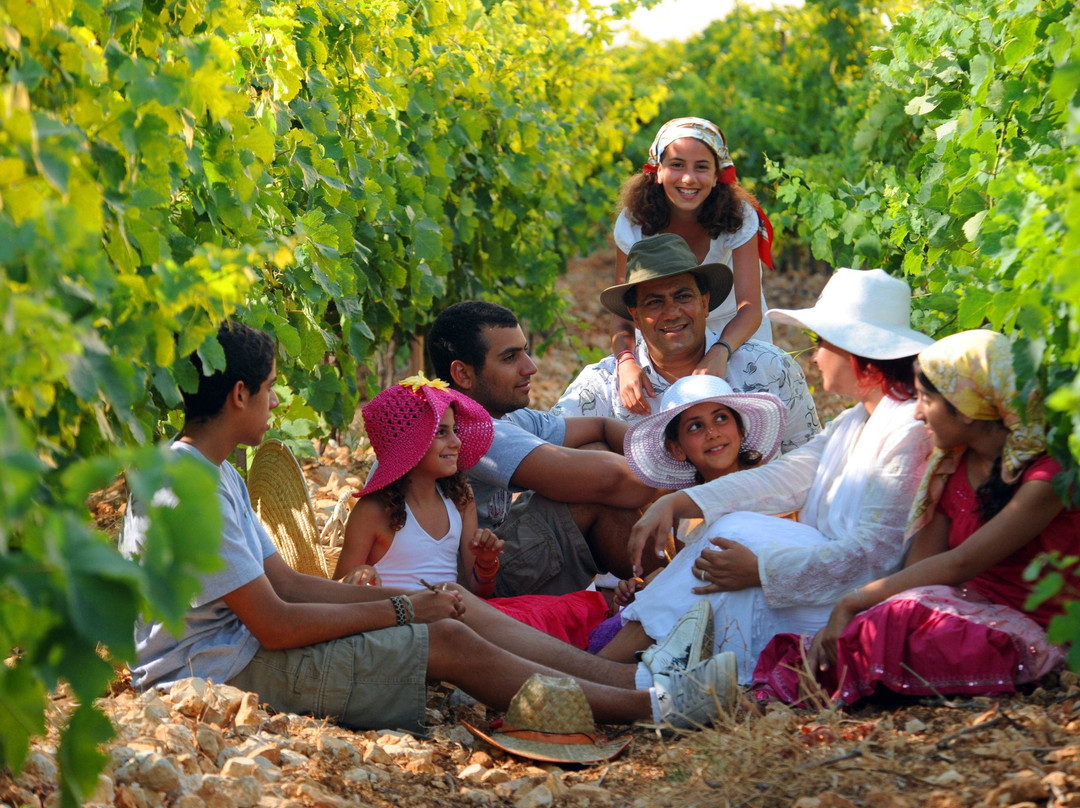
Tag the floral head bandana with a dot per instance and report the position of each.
(973, 370)
(699, 129)
(709, 134)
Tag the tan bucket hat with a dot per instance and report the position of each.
(659, 257)
(550, 720)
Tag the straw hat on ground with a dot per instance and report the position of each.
(279, 495)
(550, 720)
(863, 311)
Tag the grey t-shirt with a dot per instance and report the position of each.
(516, 434)
(215, 643)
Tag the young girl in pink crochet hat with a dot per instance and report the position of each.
(688, 187)
(416, 523)
(417, 505)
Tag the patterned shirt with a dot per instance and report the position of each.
(756, 367)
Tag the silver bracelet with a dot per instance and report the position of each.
(409, 608)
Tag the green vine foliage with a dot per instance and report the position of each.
(968, 156)
(963, 174)
(781, 83)
(332, 170)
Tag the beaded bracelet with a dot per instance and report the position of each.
(403, 613)
(728, 347)
(486, 573)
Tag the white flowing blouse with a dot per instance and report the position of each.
(854, 483)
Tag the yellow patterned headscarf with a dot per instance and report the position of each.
(973, 370)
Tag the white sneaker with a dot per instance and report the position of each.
(693, 698)
(686, 645)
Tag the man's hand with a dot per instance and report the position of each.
(442, 604)
(364, 574)
(728, 569)
(635, 389)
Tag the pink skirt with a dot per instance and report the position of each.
(926, 641)
(570, 618)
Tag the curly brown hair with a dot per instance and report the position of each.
(645, 202)
(455, 488)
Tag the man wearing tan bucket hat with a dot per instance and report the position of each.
(362, 655)
(668, 296)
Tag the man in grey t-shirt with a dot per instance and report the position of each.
(576, 496)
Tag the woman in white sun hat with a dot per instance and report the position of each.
(852, 486)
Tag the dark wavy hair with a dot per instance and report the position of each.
(249, 358)
(644, 200)
(995, 493)
(748, 458)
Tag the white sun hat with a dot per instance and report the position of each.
(863, 311)
(763, 416)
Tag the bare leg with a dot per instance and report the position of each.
(492, 675)
(526, 642)
(630, 639)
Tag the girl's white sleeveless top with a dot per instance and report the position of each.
(415, 554)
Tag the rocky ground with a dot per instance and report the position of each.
(201, 746)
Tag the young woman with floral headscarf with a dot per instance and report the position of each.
(688, 187)
(953, 621)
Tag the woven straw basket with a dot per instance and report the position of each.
(280, 497)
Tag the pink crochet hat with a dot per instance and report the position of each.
(402, 420)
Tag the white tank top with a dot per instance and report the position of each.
(415, 554)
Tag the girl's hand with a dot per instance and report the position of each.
(654, 527)
(730, 568)
(624, 592)
(486, 545)
(445, 603)
(635, 389)
(364, 574)
(822, 655)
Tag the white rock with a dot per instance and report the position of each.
(365, 774)
(177, 738)
(227, 792)
(949, 778)
(291, 758)
(239, 767)
(471, 771)
(341, 751)
(590, 792)
(157, 774)
(535, 798)
(913, 726)
(210, 740)
(40, 767)
(189, 696)
(475, 796)
(247, 715)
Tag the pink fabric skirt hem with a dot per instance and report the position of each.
(926, 641)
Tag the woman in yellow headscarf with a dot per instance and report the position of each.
(952, 620)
